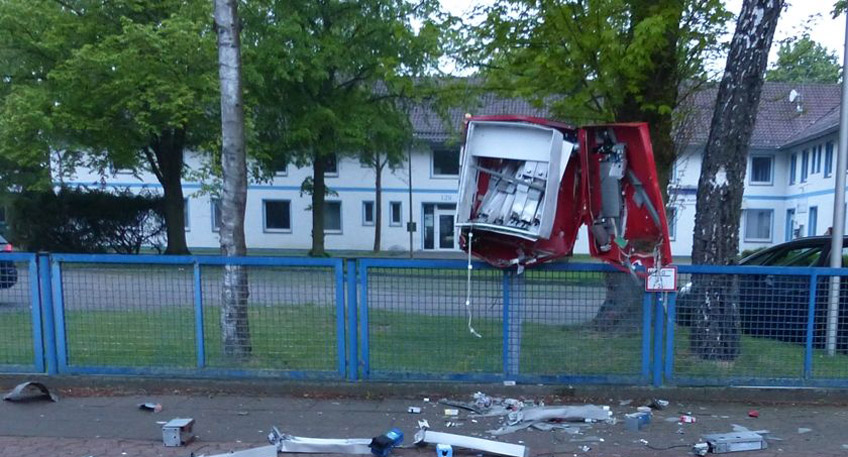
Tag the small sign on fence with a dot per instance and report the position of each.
(661, 279)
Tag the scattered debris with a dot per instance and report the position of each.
(509, 383)
(687, 419)
(625, 402)
(383, 444)
(643, 409)
(24, 392)
(451, 412)
(444, 450)
(658, 404)
(753, 413)
(426, 399)
(721, 443)
(700, 449)
(297, 444)
(414, 410)
(243, 413)
(585, 448)
(423, 424)
(264, 451)
(425, 436)
(482, 400)
(636, 421)
(155, 407)
(530, 417)
(177, 432)
(802, 430)
(644, 441)
(588, 439)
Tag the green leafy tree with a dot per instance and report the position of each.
(803, 60)
(601, 61)
(119, 84)
(319, 72)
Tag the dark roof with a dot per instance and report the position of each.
(779, 123)
(431, 126)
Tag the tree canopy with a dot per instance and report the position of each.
(803, 60)
(601, 61)
(319, 72)
(119, 84)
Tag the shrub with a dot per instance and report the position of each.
(87, 221)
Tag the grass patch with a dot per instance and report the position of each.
(16, 338)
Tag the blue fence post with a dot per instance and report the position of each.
(671, 312)
(36, 303)
(199, 333)
(352, 323)
(363, 313)
(811, 317)
(658, 341)
(340, 318)
(646, 336)
(61, 339)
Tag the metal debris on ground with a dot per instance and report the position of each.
(720, 443)
(687, 419)
(264, 451)
(423, 424)
(625, 402)
(451, 412)
(30, 391)
(297, 444)
(425, 436)
(155, 407)
(509, 383)
(636, 421)
(700, 449)
(802, 430)
(753, 413)
(177, 432)
(531, 417)
(658, 404)
(414, 410)
(444, 450)
(382, 445)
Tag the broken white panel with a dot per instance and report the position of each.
(479, 444)
(264, 451)
(520, 144)
(299, 444)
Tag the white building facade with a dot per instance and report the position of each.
(788, 188)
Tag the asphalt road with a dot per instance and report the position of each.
(551, 300)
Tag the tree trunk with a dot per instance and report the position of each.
(168, 151)
(235, 330)
(319, 189)
(716, 330)
(378, 201)
(623, 303)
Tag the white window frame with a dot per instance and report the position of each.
(341, 219)
(770, 181)
(433, 164)
(265, 227)
(366, 222)
(771, 226)
(392, 222)
(333, 174)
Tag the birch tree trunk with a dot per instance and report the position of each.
(716, 331)
(235, 330)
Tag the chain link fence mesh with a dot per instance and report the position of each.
(16, 331)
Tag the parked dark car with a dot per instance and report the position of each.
(777, 306)
(8, 270)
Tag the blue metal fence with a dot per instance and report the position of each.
(383, 319)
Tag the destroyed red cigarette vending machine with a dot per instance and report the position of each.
(528, 184)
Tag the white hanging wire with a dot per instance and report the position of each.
(468, 287)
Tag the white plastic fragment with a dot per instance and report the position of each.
(429, 437)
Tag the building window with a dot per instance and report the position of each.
(671, 215)
(332, 217)
(446, 162)
(813, 221)
(817, 159)
(367, 213)
(280, 166)
(186, 223)
(276, 215)
(828, 160)
(761, 169)
(395, 214)
(216, 214)
(805, 162)
(331, 165)
(793, 165)
(758, 224)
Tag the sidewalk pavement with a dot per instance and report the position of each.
(99, 424)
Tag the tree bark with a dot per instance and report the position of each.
(168, 154)
(378, 202)
(319, 189)
(716, 331)
(235, 330)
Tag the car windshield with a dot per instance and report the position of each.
(798, 257)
